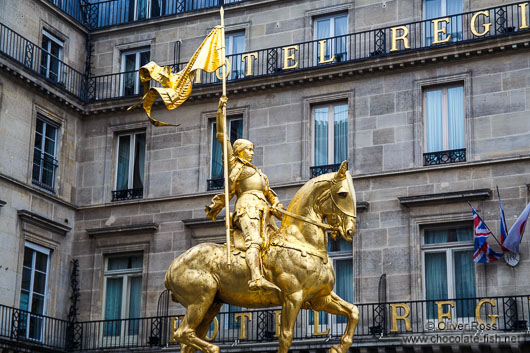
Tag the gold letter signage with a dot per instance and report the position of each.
(438, 31)
(289, 56)
(246, 59)
(396, 317)
(403, 37)
(243, 324)
(474, 24)
(492, 317)
(322, 46)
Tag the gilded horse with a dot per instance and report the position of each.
(295, 260)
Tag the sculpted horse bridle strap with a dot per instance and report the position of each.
(305, 219)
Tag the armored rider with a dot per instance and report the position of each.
(251, 187)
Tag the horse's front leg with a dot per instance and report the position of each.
(290, 307)
(334, 304)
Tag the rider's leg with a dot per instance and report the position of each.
(253, 241)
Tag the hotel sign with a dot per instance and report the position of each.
(439, 31)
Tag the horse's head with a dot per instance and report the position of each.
(340, 208)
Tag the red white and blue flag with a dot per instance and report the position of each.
(482, 252)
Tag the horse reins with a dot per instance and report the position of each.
(305, 219)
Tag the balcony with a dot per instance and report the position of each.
(323, 169)
(444, 157)
(127, 194)
(496, 22)
(407, 322)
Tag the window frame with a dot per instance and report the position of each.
(333, 45)
(51, 38)
(449, 248)
(127, 275)
(36, 248)
(445, 113)
(137, 84)
(331, 130)
(55, 163)
(130, 181)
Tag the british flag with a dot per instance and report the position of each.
(482, 252)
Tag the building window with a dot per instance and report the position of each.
(130, 166)
(44, 152)
(449, 271)
(131, 61)
(123, 293)
(331, 26)
(50, 62)
(33, 291)
(444, 125)
(235, 44)
(235, 131)
(330, 145)
(443, 8)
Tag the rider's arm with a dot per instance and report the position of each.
(219, 122)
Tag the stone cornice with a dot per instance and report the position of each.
(123, 230)
(43, 222)
(445, 197)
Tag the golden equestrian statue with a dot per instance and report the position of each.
(287, 267)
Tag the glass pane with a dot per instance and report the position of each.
(435, 280)
(135, 296)
(432, 8)
(144, 58)
(118, 263)
(434, 126)
(341, 133)
(236, 129)
(37, 304)
(464, 282)
(113, 300)
(26, 278)
(24, 300)
(38, 141)
(217, 162)
(50, 132)
(35, 327)
(49, 147)
(130, 76)
(136, 261)
(321, 136)
(344, 282)
(122, 181)
(40, 126)
(139, 159)
(323, 28)
(39, 283)
(28, 257)
(339, 245)
(449, 235)
(41, 262)
(455, 116)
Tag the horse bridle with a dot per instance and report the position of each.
(325, 195)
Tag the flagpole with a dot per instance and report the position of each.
(225, 145)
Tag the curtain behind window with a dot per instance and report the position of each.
(217, 160)
(113, 307)
(341, 28)
(435, 281)
(341, 133)
(433, 107)
(122, 181)
(139, 160)
(464, 282)
(344, 282)
(135, 297)
(455, 105)
(321, 136)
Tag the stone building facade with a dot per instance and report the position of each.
(83, 178)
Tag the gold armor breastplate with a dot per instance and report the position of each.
(250, 180)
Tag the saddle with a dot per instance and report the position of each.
(268, 229)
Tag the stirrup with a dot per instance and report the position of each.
(262, 284)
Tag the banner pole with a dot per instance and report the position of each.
(225, 145)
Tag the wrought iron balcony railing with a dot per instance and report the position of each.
(323, 169)
(444, 157)
(42, 63)
(216, 184)
(116, 12)
(407, 320)
(127, 194)
(72, 8)
(43, 173)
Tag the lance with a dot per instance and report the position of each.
(225, 144)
